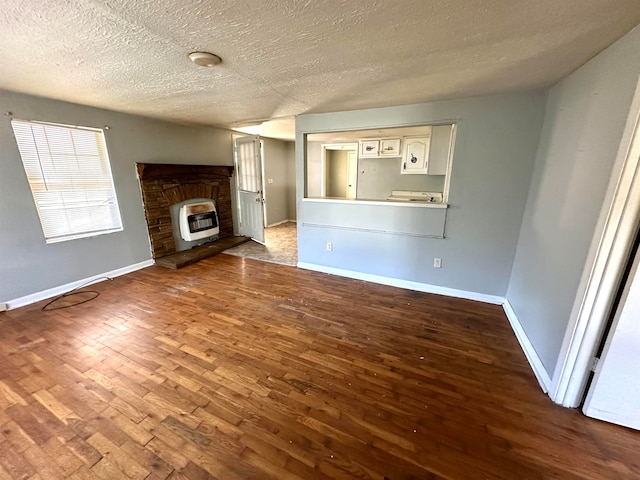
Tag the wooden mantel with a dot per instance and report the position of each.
(152, 171)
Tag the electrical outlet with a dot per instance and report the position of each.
(437, 262)
(4, 307)
(329, 246)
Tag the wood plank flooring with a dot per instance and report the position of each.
(238, 369)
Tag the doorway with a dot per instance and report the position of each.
(339, 170)
(277, 201)
(609, 259)
(248, 163)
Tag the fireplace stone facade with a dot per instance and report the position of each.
(163, 185)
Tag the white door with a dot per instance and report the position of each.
(614, 394)
(250, 195)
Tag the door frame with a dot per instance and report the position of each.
(323, 162)
(264, 185)
(608, 256)
(352, 175)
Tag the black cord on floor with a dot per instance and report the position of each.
(75, 291)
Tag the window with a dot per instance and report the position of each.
(70, 177)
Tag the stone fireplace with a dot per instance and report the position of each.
(164, 185)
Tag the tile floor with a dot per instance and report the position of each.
(281, 246)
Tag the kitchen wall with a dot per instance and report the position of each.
(496, 146)
(584, 121)
(378, 177)
(32, 265)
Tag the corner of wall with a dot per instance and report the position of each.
(543, 377)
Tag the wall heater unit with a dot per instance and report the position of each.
(198, 220)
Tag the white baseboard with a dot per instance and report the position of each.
(277, 223)
(532, 356)
(52, 292)
(409, 285)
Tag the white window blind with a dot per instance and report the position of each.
(70, 177)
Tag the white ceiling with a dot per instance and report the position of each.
(287, 57)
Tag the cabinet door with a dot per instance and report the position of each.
(416, 155)
(390, 147)
(369, 148)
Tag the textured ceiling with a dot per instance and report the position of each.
(283, 58)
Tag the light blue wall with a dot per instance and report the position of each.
(585, 117)
(276, 193)
(494, 154)
(27, 264)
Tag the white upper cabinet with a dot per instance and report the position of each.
(379, 147)
(390, 147)
(415, 159)
(369, 148)
(428, 154)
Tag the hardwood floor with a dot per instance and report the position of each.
(237, 369)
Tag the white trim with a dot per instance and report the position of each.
(372, 230)
(357, 126)
(452, 148)
(279, 223)
(409, 285)
(386, 203)
(52, 292)
(527, 347)
(607, 258)
(263, 185)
